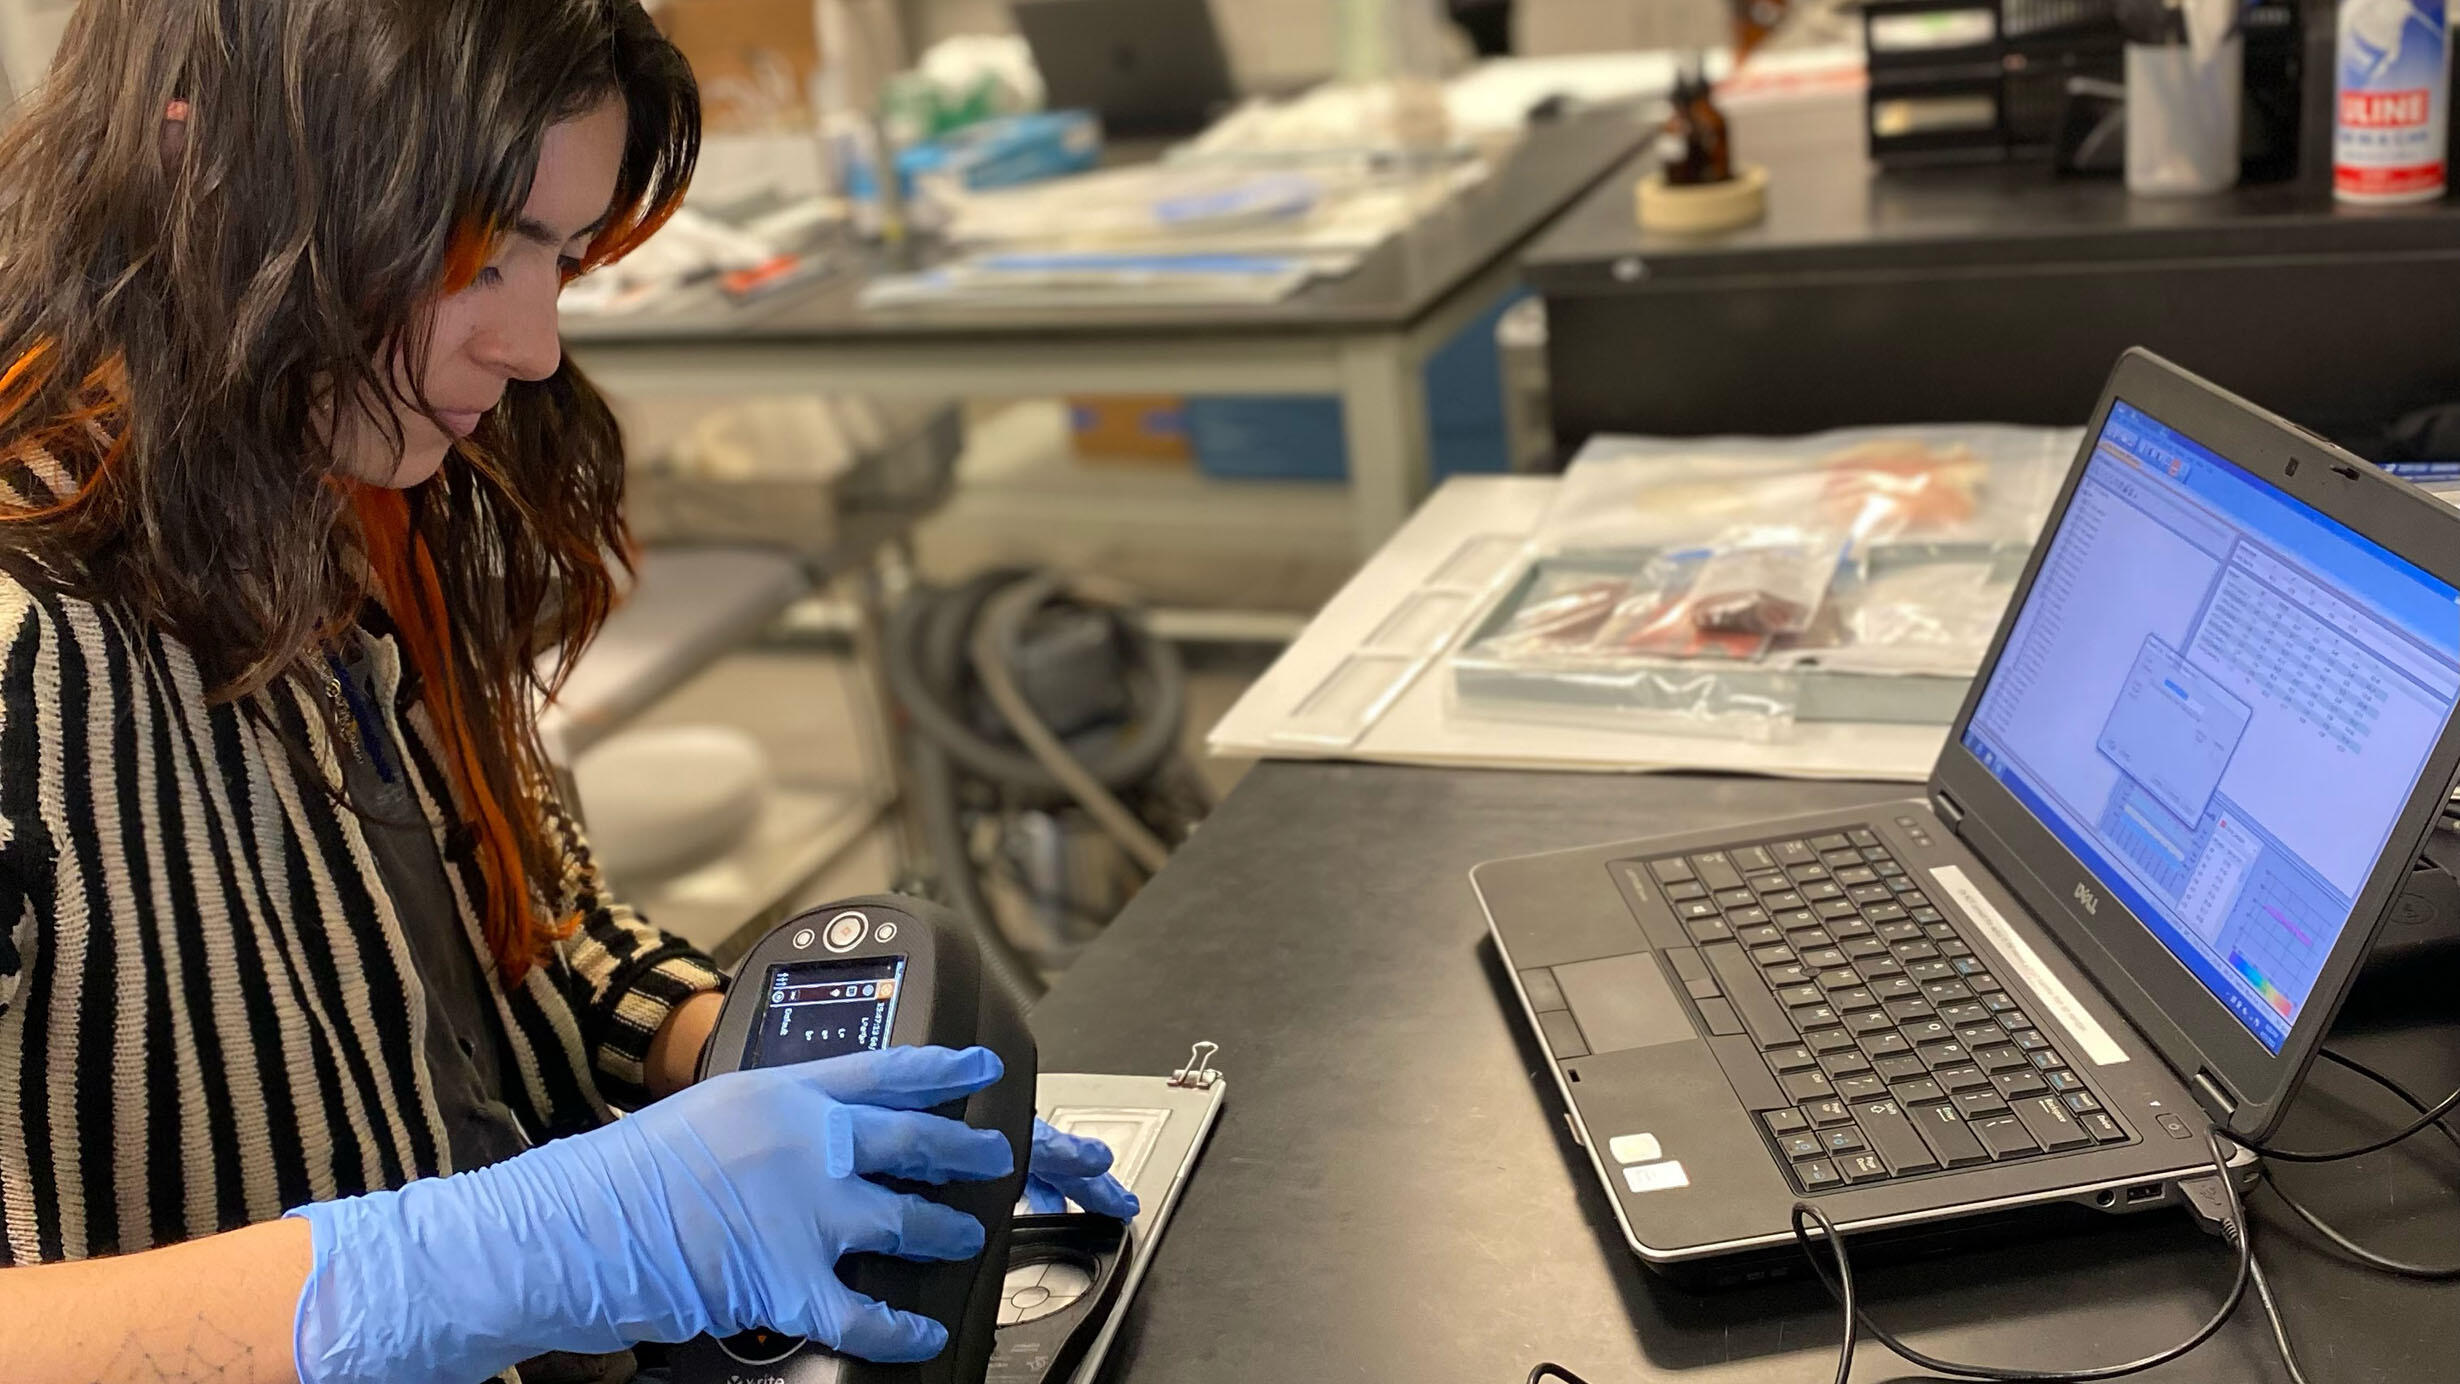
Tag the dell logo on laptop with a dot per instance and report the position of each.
(2090, 900)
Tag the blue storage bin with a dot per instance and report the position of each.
(1297, 437)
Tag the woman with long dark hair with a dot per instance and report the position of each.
(314, 1010)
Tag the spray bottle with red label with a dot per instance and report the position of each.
(2393, 97)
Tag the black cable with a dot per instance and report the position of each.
(2232, 1224)
(1857, 1320)
(2381, 1263)
(1843, 1288)
(2403, 1093)
(2272, 1314)
(2427, 1118)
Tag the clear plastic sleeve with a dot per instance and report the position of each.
(1872, 485)
(1736, 587)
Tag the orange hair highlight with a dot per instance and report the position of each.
(93, 432)
(624, 231)
(405, 576)
(19, 379)
(467, 253)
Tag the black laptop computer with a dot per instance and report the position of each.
(2213, 729)
(1147, 67)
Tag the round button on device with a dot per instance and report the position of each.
(887, 933)
(760, 1346)
(1037, 1290)
(804, 938)
(846, 931)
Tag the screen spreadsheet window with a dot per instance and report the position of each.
(2219, 700)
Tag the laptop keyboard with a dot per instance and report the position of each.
(1901, 1054)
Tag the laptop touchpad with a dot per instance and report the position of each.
(1623, 1002)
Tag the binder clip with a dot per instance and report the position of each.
(1196, 1075)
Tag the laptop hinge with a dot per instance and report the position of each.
(1950, 811)
(2215, 1098)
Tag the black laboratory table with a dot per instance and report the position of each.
(1390, 1195)
(1991, 294)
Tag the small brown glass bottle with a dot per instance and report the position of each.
(1694, 147)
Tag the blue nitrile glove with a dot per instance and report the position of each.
(1066, 1168)
(718, 1209)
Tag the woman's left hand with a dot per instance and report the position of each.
(1066, 1167)
(1063, 1168)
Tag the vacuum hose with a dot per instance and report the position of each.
(1104, 732)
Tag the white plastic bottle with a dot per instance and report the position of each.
(2391, 81)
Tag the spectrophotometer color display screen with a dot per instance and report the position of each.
(819, 1009)
(2219, 699)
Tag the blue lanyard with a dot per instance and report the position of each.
(363, 712)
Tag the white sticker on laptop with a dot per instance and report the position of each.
(2048, 989)
(1656, 1177)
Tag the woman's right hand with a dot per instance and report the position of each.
(723, 1207)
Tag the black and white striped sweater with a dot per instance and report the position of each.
(208, 1012)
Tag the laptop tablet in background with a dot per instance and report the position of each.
(1146, 67)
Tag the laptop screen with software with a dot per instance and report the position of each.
(2219, 699)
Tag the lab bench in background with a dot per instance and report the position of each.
(1990, 294)
(1365, 337)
